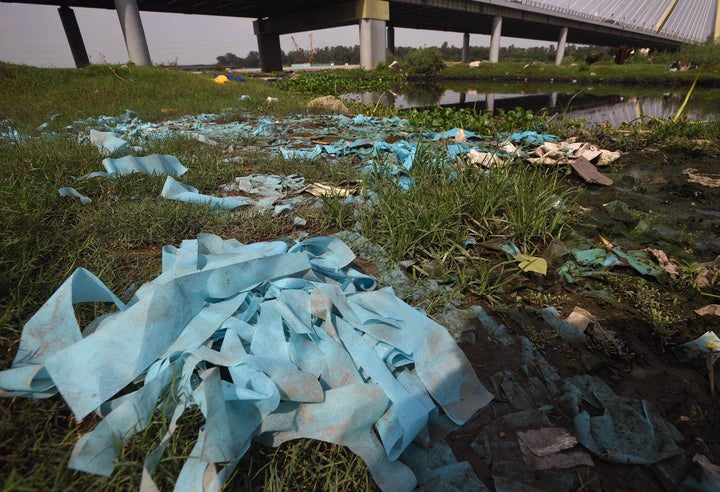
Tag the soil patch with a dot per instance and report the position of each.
(661, 200)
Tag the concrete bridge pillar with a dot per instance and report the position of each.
(495, 39)
(373, 20)
(72, 32)
(269, 52)
(466, 48)
(372, 43)
(560, 52)
(490, 102)
(391, 39)
(132, 29)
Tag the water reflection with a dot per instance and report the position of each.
(609, 109)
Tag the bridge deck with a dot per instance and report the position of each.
(519, 21)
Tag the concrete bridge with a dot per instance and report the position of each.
(529, 19)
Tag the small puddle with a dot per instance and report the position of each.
(611, 109)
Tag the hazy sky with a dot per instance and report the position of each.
(33, 35)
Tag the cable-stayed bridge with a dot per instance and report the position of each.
(658, 24)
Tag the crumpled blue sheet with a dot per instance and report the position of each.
(175, 190)
(107, 142)
(154, 164)
(308, 348)
(531, 138)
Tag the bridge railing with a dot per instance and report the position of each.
(625, 25)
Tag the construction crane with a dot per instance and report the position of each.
(311, 58)
(299, 51)
(305, 57)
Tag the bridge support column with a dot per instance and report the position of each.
(466, 48)
(132, 29)
(560, 52)
(490, 102)
(269, 52)
(72, 32)
(495, 39)
(372, 43)
(374, 15)
(391, 39)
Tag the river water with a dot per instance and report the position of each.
(613, 108)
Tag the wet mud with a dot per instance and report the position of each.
(659, 199)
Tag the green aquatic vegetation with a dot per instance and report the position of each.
(337, 83)
(485, 122)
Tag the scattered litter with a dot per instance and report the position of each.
(48, 121)
(270, 100)
(244, 97)
(532, 138)
(663, 260)
(319, 189)
(175, 190)
(551, 448)
(264, 191)
(528, 263)
(484, 159)
(710, 309)
(307, 347)
(67, 191)
(540, 412)
(708, 346)
(587, 323)
(709, 180)
(588, 259)
(709, 476)
(705, 344)
(9, 132)
(587, 171)
(552, 152)
(224, 78)
(707, 273)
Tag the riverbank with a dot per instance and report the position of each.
(446, 232)
(606, 72)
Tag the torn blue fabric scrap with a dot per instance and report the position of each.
(175, 190)
(267, 341)
(154, 164)
(531, 138)
(68, 191)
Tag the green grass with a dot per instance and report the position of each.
(604, 72)
(44, 237)
(32, 96)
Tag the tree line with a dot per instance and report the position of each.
(341, 55)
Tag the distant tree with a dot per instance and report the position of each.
(424, 62)
(252, 60)
(230, 60)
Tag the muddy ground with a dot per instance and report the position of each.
(674, 205)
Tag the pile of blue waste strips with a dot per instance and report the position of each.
(272, 341)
